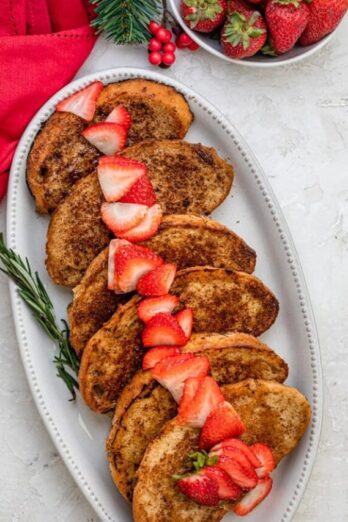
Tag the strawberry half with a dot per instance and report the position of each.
(141, 192)
(147, 227)
(154, 305)
(117, 175)
(83, 102)
(264, 454)
(240, 445)
(185, 319)
(163, 328)
(223, 422)
(172, 372)
(239, 469)
(195, 411)
(155, 355)
(119, 217)
(113, 247)
(228, 490)
(254, 497)
(108, 138)
(200, 488)
(121, 116)
(132, 262)
(157, 282)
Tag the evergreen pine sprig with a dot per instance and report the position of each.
(126, 21)
(34, 294)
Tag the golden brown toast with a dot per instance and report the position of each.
(144, 406)
(187, 179)
(60, 155)
(222, 301)
(182, 239)
(273, 413)
(157, 111)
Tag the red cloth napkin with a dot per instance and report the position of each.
(42, 45)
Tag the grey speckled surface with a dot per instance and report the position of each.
(296, 121)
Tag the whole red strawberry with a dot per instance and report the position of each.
(244, 32)
(324, 17)
(286, 20)
(204, 15)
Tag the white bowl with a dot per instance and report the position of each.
(213, 46)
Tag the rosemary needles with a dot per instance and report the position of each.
(33, 293)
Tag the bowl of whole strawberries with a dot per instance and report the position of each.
(260, 33)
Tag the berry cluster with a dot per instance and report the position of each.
(162, 49)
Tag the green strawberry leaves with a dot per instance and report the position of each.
(239, 29)
(197, 461)
(202, 10)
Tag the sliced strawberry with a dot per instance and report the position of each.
(141, 192)
(154, 305)
(121, 116)
(147, 227)
(83, 102)
(113, 247)
(155, 355)
(254, 497)
(119, 217)
(240, 445)
(108, 138)
(264, 454)
(222, 423)
(132, 262)
(200, 488)
(190, 389)
(157, 282)
(228, 490)
(239, 469)
(163, 328)
(172, 372)
(207, 397)
(116, 175)
(185, 319)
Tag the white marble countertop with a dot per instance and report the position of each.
(296, 120)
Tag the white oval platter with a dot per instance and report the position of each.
(253, 212)
(295, 55)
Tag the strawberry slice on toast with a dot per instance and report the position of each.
(121, 116)
(185, 320)
(113, 247)
(147, 227)
(223, 423)
(200, 488)
(108, 138)
(194, 410)
(228, 490)
(154, 305)
(265, 457)
(141, 192)
(157, 282)
(172, 372)
(155, 355)
(119, 217)
(163, 329)
(240, 445)
(253, 497)
(83, 102)
(117, 175)
(239, 468)
(132, 262)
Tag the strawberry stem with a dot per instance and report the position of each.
(239, 29)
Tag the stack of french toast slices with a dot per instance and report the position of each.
(231, 307)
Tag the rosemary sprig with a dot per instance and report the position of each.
(33, 293)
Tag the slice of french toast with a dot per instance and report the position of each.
(222, 300)
(188, 178)
(157, 111)
(182, 239)
(144, 406)
(60, 155)
(273, 413)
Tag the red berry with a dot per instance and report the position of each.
(153, 27)
(154, 45)
(168, 58)
(183, 40)
(193, 46)
(169, 47)
(155, 58)
(163, 35)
